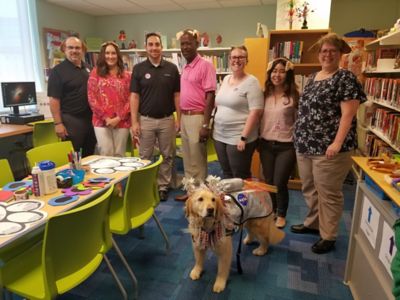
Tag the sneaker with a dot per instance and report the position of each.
(280, 222)
(163, 195)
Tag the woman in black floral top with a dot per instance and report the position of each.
(325, 137)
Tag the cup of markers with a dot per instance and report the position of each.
(75, 160)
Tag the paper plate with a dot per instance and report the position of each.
(133, 164)
(124, 168)
(16, 185)
(7, 228)
(26, 217)
(24, 205)
(105, 163)
(129, 159)
(62, 200)
(103, 171)
(3, 212)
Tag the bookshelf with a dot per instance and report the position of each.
(217, 56)
(382, 87)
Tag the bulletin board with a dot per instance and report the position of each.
(52, 39)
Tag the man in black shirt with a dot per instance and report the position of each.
(67, 91)
(155, 87)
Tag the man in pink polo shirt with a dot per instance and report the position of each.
(198, 85)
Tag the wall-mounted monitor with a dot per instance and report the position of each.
(16, 94)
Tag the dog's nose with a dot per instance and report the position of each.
(210, 211)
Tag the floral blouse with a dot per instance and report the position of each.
(319, 112)
(109, 97)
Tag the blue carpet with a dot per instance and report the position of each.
(289, 271)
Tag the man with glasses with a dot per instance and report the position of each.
(198, 85)
(67, 92)
(154, 97)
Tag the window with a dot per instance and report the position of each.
(19, 47)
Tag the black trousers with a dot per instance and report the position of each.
(80, 132)
(278, 160)
(235, 163)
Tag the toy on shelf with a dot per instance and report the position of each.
(122, 38)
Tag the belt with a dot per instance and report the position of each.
(157, 117)
(278, 143)
(191, 112)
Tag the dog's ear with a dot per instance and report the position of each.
(188, 207)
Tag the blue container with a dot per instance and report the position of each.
(375, 188)
(77, 176)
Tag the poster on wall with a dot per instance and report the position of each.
(317, 15)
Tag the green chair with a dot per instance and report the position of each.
(44, 133)
(56, 152)
(74, 245)
(6, 173)
(137, 206)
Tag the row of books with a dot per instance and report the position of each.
(374, 146)
(387, 122)
(289, 49)
(386, 90)
(301, 81)
(220, 62)
(381, 53)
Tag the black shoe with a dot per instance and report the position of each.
(323, 246)
(163, 195)
(300, 228)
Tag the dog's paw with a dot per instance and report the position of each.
(219, 286)
(195, 273)
(260, 251)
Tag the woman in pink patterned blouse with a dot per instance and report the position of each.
(108, 94)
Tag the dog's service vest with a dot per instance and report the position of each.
(248, 204)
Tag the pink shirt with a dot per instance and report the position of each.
(109, 97)
(197, 78)
(277, 122)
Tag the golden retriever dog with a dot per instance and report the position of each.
(211, 226)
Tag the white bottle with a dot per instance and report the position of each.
(37, 181)
(48, 170)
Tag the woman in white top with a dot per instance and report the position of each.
(277, 153)
(239, 104)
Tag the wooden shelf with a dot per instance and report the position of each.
(391, 39)
(380, 135)
(381, 103)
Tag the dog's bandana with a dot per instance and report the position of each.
(248, 204)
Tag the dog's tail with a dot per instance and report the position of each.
(275, 234)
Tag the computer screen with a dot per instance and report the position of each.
(17, 94)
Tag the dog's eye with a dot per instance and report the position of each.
(200, 199)
(213, 199)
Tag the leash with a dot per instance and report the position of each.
(239, 248)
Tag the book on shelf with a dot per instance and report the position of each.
(292, 50)
(384, 90)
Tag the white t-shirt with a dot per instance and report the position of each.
(233, 106)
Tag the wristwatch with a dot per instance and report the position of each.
(243, 138)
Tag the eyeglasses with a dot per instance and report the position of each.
(238, 57)
(329, 51)
(74, 48)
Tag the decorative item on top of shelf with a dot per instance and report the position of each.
(396, 26)
(291, 12)
(218, 39)
(122, 38)
(302, 13)
(204, 39)
(132, 44)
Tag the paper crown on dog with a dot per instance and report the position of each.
(215, 184)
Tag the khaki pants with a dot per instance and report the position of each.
(193, 151)
(161, 131)
(322, 182)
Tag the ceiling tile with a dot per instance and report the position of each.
(236, 3)
(200, 5)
